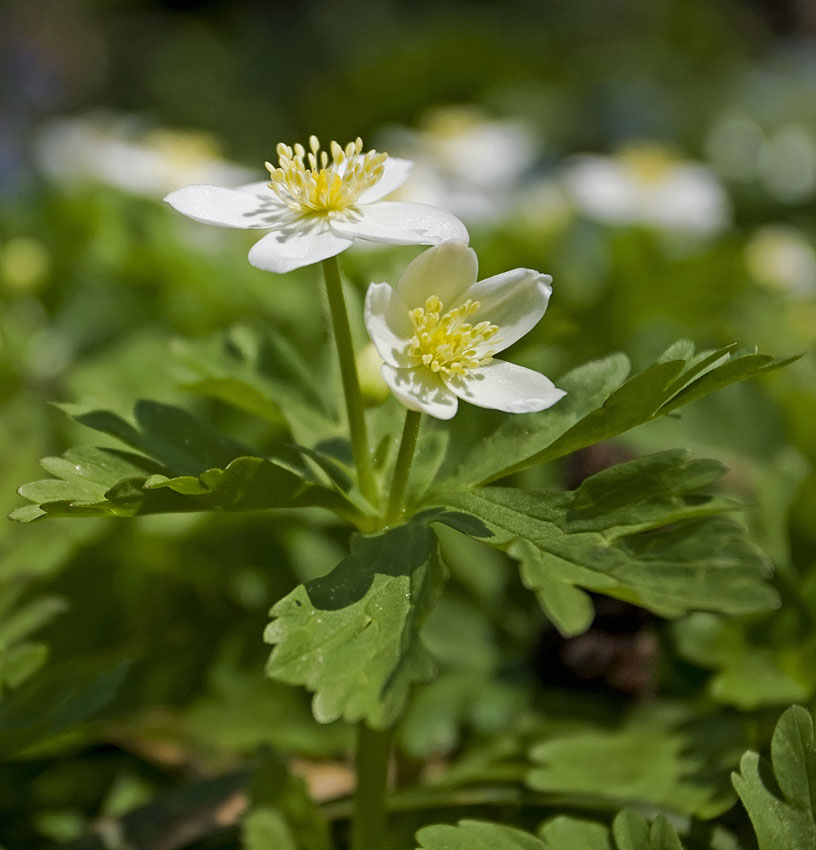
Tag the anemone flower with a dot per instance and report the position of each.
(438, 331)
(315, 205)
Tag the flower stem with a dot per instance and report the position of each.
(370, 798)
(402, 468)
(351, 381)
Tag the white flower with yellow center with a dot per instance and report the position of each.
(317, 203)
(647, 185)
(438, 331)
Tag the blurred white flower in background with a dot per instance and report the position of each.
(646, 184)
(782, 161)
(465, 161)
(780, 257)
(118, 151)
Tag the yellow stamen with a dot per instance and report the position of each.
(311, 184)
(444, 342)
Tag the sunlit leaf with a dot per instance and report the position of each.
(352, 637)
(599, 405)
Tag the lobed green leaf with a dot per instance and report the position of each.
(684, 773)
(476, 835)
(600, 405)
(352, 637)
(780, 796)
(639, 531)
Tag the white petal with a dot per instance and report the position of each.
(399, 224)
(226, 207)
(388, 324)
(504, 386)
(446, 270)
(260, 187)
(395, 173)
(295, 245)
(420, 389)
(514, 300)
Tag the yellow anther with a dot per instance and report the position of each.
(445, 342)
(322, 181)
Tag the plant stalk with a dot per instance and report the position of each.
(370, 798)
(402, 468)
(351, 381)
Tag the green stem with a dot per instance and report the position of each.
(370, 798)
(351, 381)
(402, 468)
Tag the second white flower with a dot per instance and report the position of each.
(439, 329)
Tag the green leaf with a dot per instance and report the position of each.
(352, 637)
(264, 828)
(240, 395)
(26, 619)
(477, 835)
(569, 833)
(755, 663)
(630, 831)
(633, 832)
(525, 435)
(55, 700)
(639, 531)
(598, 407)
(780, 797)
(681, 773)
(19, 663)
(441, 710)
(236, 370)
(183, 443)
(187, 466)
(84, 475)
(89, 487)
(283, 816)
(19, 657)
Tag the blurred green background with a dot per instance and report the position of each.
(657, 157)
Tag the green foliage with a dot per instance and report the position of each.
(640, 531)
(630, 831)
(567, 833)
(263, 375)
(457, 701)
(352, 637)
(599, 405)
(186, 465)
(476, 835)
(768, 662)
(55, 701)
(282, 815)
(780, 795)
(686, 771)
(21, 657)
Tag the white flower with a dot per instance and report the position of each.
(438, 330)
(117, 151)
(781, 257)
(646, 185)
(315, 206)
(466, 162)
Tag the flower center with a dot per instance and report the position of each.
(311, 183)
(647, 163)
(445, 342)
